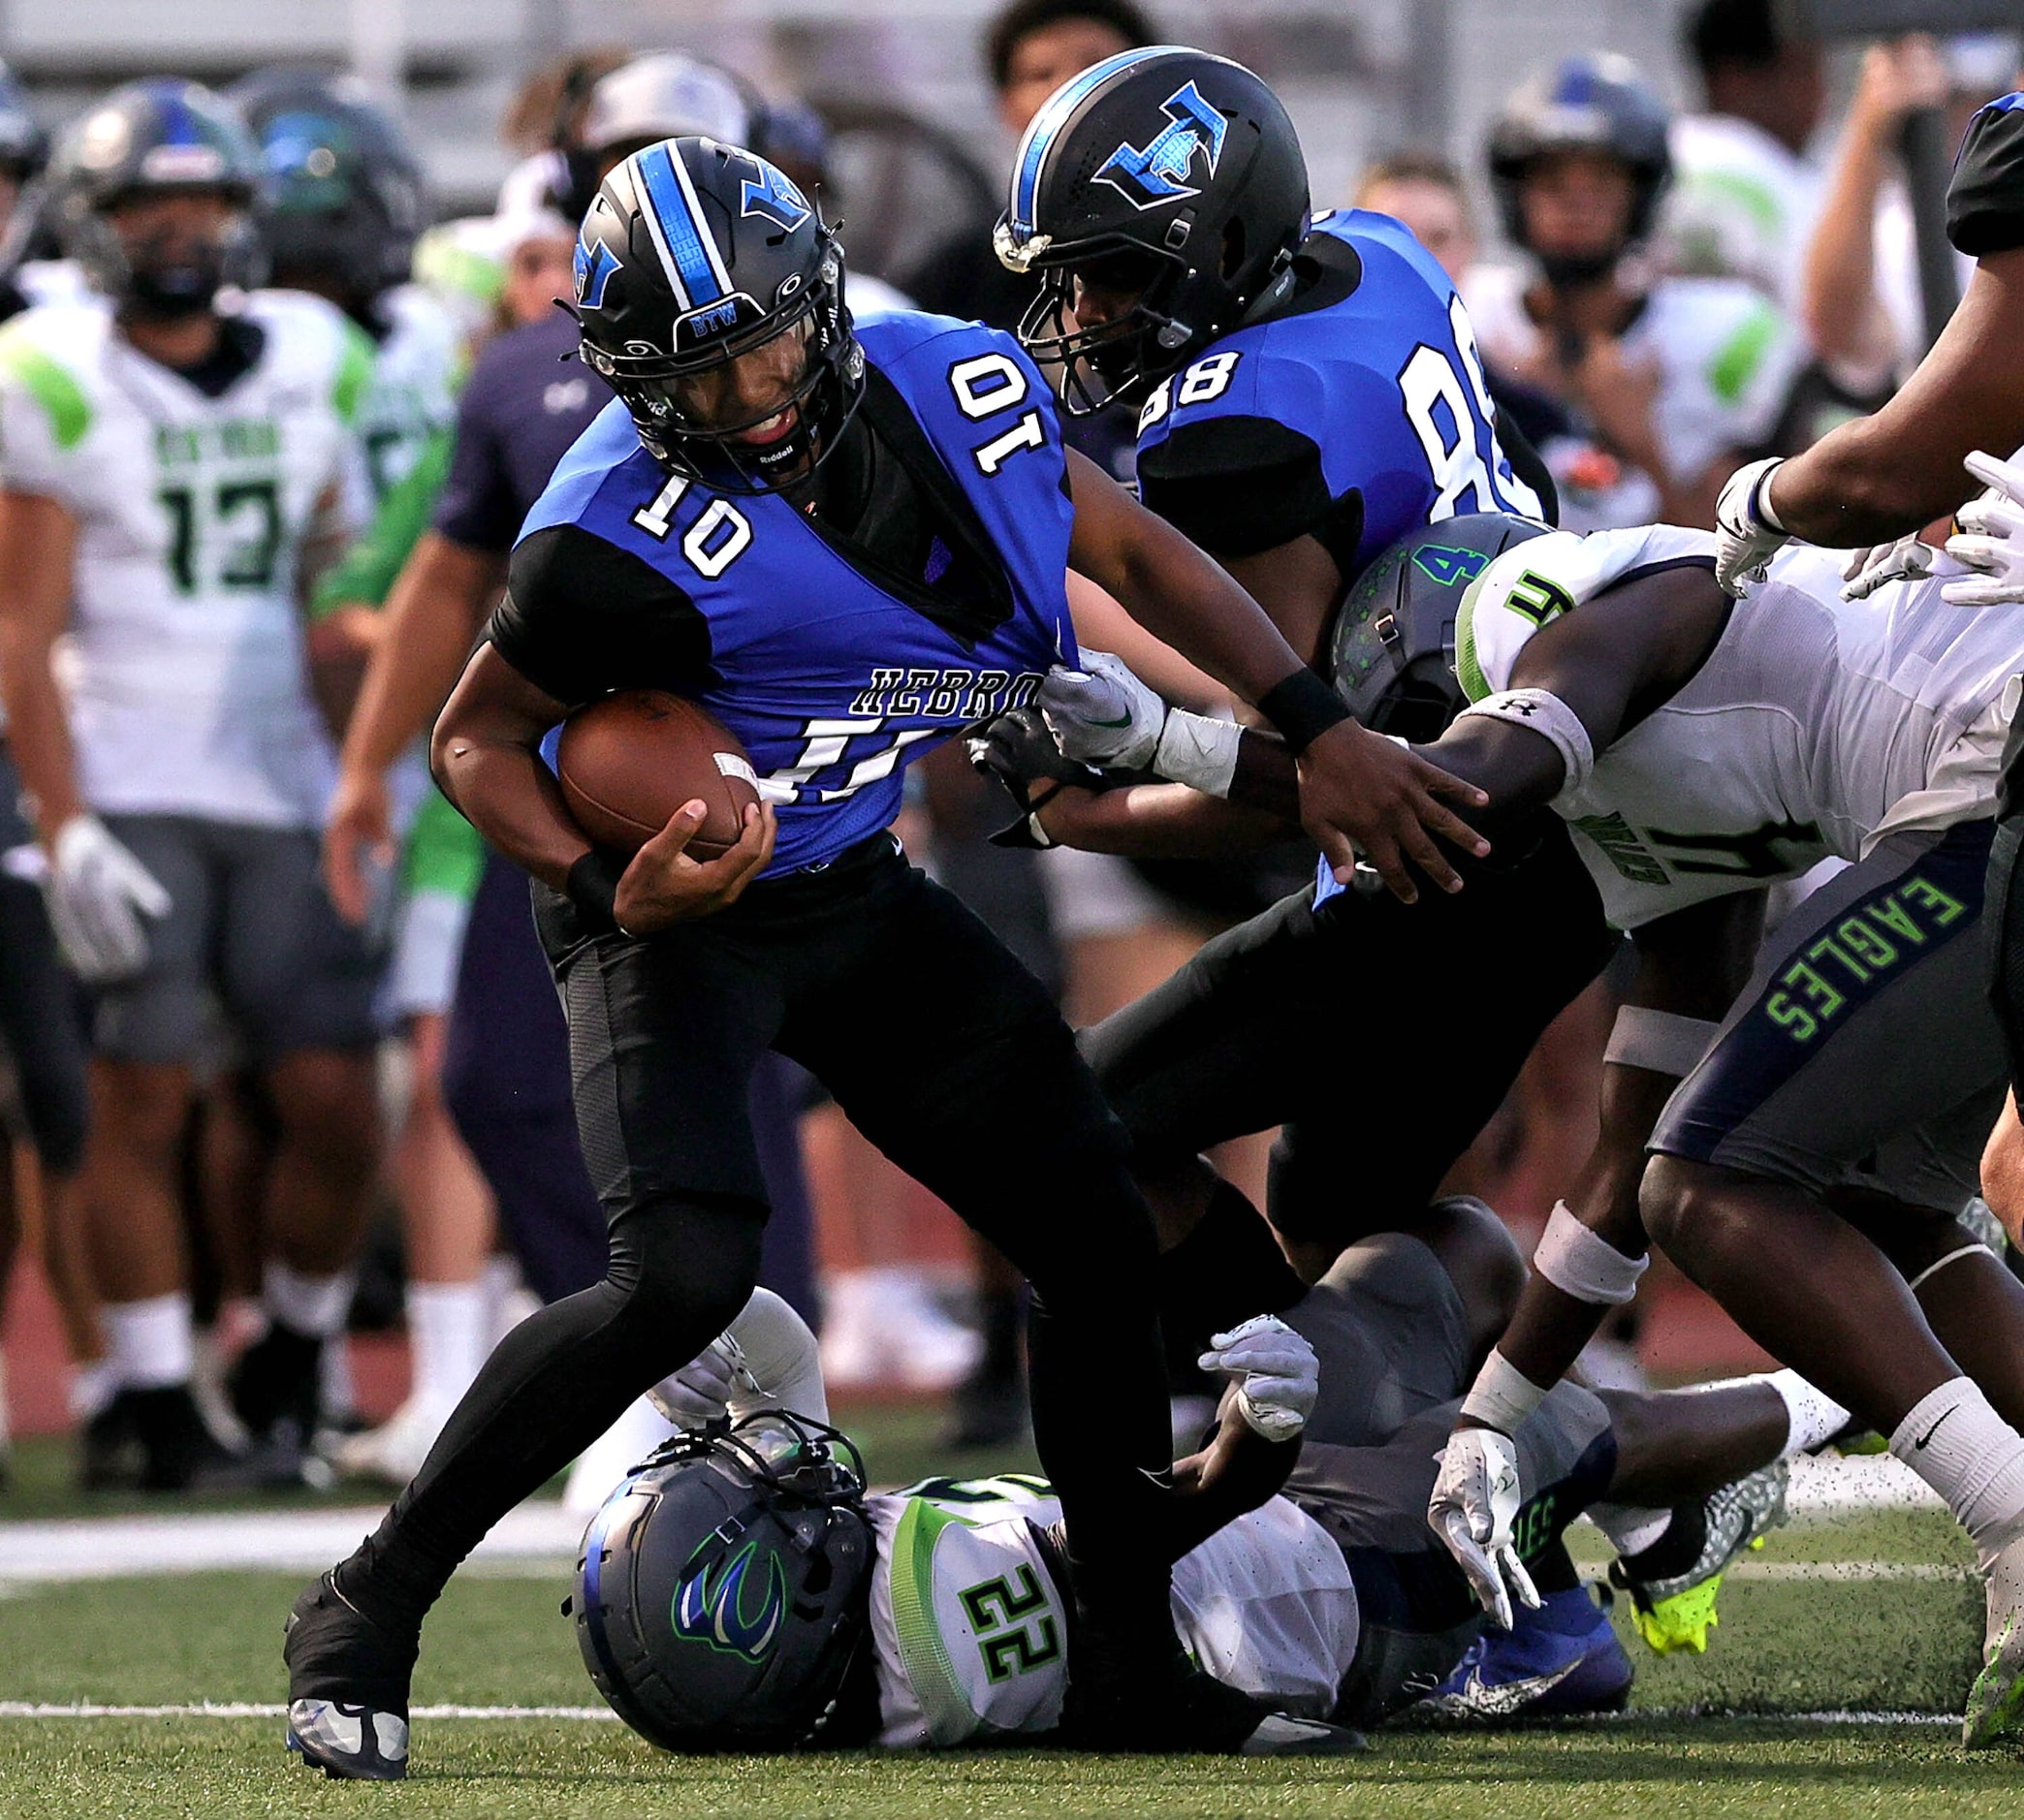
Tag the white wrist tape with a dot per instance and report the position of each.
(1585, 1265)
(1502, 1396)
(1662, 1042)
(1198, 750)
(1544, 713)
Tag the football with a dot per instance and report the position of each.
(627, 762)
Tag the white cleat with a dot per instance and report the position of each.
(1996, 1702)
(349, 1743)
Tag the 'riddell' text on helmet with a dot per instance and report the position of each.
(696, 253)
(1162, 176)
(156, 138)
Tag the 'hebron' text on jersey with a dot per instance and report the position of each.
(1354, 420)
(832, 680)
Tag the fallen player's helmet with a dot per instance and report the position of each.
(724, 1590)
(347, 200)
(1162, 172)
(1597, 102)
(155, 138)
(694, 254)
(1393, 652)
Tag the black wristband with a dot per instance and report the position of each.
(1302, 707)
(592, 887)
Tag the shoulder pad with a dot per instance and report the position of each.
(1533, 583)
(33, 351)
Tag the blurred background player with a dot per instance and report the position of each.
(1746, 189)
(1673, 378)
(175, 472)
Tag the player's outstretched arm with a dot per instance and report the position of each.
(1356, 790)
(487, 758)
(1876, 478)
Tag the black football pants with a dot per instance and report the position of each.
(1381, 1036)
(950, 1058)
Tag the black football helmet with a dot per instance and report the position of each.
(1165, 172)
(1597, 102)
(151, 137)
(346, 199)
(694, 254)
(724, 1592)
(1392, 653)
(24, 145)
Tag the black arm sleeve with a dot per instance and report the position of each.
(583, 618)
(1985, 201)
(1239, 484)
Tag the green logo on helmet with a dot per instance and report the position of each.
(714, 1611)
(1449, 566)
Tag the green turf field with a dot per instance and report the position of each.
(1793, 1642)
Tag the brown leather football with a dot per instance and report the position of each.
(627, 762)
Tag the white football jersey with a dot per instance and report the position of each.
(972, 1632)
(1725, 358)
(1815, 727)
(413, 394)
(189, 694)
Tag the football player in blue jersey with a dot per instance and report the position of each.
(1309, 392)
(847, 544)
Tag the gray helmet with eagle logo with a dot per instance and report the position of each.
(724, 1590)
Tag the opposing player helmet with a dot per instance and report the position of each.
(154, 138)
(1164, 172)
(696, 253)
(724, 1592)
(346, 199)
(1597, 102)
(1392, 654)
(24, 147)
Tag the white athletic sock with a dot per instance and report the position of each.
(150, 1343)
(313, 1307)
(92, 1386)
(1815, 1418)
(1968, 1454)
(1630, 1528)
(449, 1328)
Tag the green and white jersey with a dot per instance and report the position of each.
(188, 693)
(412, 397)
(972, 1632)
(1815, 727)
(1725, 357)
(1742, 204)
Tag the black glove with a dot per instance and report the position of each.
(1017, 749)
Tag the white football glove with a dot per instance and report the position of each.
(1991, 538)
(702, 1391)
(1473, 1506)
(97, 893)
(1277, 1374)
(1746, 538)
(1102, 714)
(1906, 560)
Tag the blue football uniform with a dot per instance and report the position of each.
(833, 669)
(1353, 415)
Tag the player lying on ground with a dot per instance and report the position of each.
(1699, 750)
(1303, 1571)
(848, 547)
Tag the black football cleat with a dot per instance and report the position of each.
(347, 1688)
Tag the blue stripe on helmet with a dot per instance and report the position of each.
(680, 232)
(1053, 116)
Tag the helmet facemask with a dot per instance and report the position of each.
(167, 274)
(1116, 362)
(661, 390)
